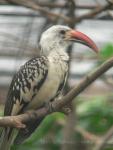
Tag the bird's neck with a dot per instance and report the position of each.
(59, 54)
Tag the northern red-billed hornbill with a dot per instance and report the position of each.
(40, 80)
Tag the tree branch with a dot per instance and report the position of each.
(87, 135)
(54, 16)
(20, 120)
(102, 142)
(30, 4)
(53, 5)
(95, 12)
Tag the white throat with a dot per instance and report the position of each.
(55, 53)
(59, 54)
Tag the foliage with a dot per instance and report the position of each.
(96, 114)
(106, 52)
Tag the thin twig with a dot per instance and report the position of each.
(83, 84)
(54, 16)
(30, 4)
(102, 142)
(95, 12)
(87, 135)
(53, 5)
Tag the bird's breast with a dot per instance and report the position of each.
(56, 74)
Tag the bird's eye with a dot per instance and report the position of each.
(62, 32)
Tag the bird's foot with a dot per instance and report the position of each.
(49, 106)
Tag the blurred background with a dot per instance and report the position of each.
(21, 25)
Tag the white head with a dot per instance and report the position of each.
(59, 37)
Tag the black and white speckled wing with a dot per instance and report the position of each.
(25, 84)
(31, 126)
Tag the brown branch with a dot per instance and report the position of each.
(95, 12)
(20, 120)
(102, 142)
(30, 4)
(58, 104)
(55, 5)
(54, 16)
(87, 135)
(83, 84)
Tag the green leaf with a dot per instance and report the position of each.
(96, 114)
(107, 51)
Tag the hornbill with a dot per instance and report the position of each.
(40, 80)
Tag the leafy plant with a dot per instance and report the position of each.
(106, 52)
(96, 114)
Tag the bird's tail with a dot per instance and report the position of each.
(7, 138)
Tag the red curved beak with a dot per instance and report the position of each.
(82, 38)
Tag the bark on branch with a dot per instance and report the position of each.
(20, 120)
(54, 16)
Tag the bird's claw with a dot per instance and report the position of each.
(49, 106)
